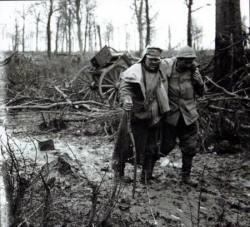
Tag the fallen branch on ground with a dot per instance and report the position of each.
(63, 94)
(84, 104)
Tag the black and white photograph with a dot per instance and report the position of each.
(125, 113)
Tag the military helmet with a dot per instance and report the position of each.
(152, 52)
(186, 52)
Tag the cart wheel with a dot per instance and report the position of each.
(86, 84)
(109, 83)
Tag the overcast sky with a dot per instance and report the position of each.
(171, 13)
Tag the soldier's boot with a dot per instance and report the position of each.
(152, 171)
(146, 174)
(186, 171)
(147, 171)
(119, 168)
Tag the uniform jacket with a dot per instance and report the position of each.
(132, 84)
(182, 91)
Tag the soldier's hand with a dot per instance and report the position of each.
(197, 77)
(127, 103)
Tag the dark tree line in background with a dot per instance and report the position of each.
(65, 14)
(80, 15)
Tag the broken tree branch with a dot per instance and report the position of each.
(84, 104)
(63, 94)
(7, 60)
(221, 88)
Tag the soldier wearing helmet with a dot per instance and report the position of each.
(184, 83)
(143, 94)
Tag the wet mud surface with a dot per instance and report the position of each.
(73, 185)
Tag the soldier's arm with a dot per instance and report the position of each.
(198, 82)
(125, 89)
(167, 66)
(125, 94)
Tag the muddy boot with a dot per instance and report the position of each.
(152, 178)
(186, 171)
(144, 178)
(119, 174)
(186, 180)
(146, 175)
(118, 168)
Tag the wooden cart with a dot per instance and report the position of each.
(99, 81)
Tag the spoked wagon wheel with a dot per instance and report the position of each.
(109, 83)
(87, 84)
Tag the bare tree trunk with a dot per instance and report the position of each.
(89, 8)
(127, 40)
(90, 38)
(148, 24)
(169, 38)
(37, 30)
(23, 32)
(109, 33)
(69, 31)
(23, 39)
(57, 33)
(86, 31)
(196, 35)
(99, 36)
(63, 39)
(189, 22)
(16, 42)
(95, 35)
(140, 24)
(49, 29)
(79, 24)
(13, 42)
(67, 38)
(229, 49)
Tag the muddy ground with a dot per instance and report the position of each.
(73, 185)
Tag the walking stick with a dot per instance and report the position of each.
(131, 136)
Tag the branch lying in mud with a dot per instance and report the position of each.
(106, 118)
(63, 94)
(75, 104)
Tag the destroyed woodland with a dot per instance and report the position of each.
(61, 116)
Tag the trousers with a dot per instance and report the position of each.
(188, 137)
